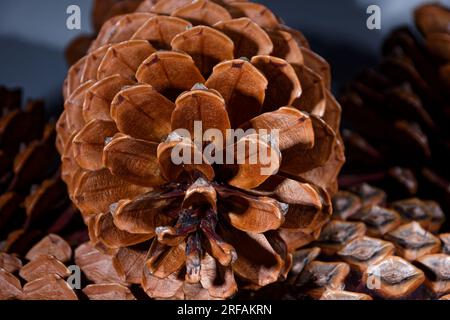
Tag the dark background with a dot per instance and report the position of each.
(33, 35)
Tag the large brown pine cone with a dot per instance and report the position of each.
(195, 230)
(397, 114)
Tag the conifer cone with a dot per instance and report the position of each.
(102, 11)
(33, 198)
(396, 115)
(54, 269)
(199, 231)
(371, 249)
(33, 202)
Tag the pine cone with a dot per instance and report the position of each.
(33, 201)
(46, 272)
(397, 114)
(77, 48)
(371, 250)
(199, 230)
(33, 198)
(102, 11)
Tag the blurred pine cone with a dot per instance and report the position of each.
(199, 230)
(33, 198)
(396, 115)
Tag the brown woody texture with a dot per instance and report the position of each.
(33, 198)
(371, 249)
(45, 271)
(367, 238)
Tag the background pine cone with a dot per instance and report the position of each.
(33, 198)
(371, 249)
(45, 272)
(197, 231)
(396, 114)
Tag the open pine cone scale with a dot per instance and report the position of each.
(200, 230)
